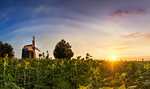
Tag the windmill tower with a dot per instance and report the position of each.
(28, 51)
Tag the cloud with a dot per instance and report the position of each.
(121, 13)
(44, 9)
(140, 12)
(121, 48)
(137, 35)
(4, 16)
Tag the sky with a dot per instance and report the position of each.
(103, 28)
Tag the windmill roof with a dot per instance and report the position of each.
(25, 48)
(29, 45)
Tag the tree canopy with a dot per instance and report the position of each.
(6, 49)
(63, 50)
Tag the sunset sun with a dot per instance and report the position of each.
(112, 58)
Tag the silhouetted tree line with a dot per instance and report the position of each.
(62, 50)
(6, 49)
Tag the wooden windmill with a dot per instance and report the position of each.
(28, 51)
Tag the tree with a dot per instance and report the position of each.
(88, 56)
(43, 54)
(63, 50)
(47, 56)
(40, 55)
(6, 49)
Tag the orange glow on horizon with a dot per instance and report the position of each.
(112, 58)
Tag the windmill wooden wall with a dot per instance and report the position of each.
(28, 51)
(27, 54)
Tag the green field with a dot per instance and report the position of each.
(73, 74)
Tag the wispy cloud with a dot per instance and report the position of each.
(4, 16)
(121, 13)
(44, 9)
(140, 12)
(137, 35)
(121, 48)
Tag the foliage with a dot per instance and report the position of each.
(6, 49)
(73, 74)
(63, 50)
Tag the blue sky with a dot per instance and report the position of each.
(102, 28)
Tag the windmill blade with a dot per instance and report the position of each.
(33, 41)
(37, 49)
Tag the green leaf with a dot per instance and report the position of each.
(107, 88)
(132, 87)
(121, 87)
